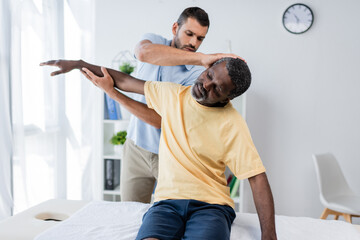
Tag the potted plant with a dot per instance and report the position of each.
(127, 68)
(118, 141)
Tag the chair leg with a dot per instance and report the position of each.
(347, 217)
(325, 213)
(336, 217)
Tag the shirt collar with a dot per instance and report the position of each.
(189, 67)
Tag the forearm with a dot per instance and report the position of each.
(139, 109)
(163, 55)
(264, 205)
(122, 81)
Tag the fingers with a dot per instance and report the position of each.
(236, 56)
(49, 63)
(85, 74)
(56, 73)
(88, 77)
(222, 55)
(105, 71)
(89, 73)
(242, 59)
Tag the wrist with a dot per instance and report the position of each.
(202, 59)
(111, 92)
(78, 64)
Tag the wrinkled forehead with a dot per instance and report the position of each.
(220, 70)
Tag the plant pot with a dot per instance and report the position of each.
(118, 150)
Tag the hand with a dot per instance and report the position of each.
(106, 83)
(64, 65)
(209, 59)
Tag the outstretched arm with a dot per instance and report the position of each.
(264, 205)
(137, 108)
(134, 85)
(121, 81)
(158, 54)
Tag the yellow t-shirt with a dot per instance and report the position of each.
(196, 144)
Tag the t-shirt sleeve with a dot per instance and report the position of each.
(154, 38)
(158, 95)
(242, 157)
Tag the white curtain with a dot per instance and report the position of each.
(83, 110)
(6, 202)
(54, 119)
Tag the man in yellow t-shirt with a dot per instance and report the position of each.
(201, 134)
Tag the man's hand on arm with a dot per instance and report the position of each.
(162, 55)
(106, 83)
(140, 110)
(264, 205)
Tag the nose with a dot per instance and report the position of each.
(193, 41)
(207, 85)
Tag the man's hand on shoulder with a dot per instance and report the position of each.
(64, 65)
(210, 59)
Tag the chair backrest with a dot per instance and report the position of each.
(330, 177)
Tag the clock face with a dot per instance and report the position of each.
(298, 18)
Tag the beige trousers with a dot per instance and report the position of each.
(139, 171)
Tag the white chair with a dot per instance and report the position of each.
(335, 193)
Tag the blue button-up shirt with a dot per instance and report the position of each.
(143, 134)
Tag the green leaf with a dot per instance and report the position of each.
(119, 138)
(127, 68)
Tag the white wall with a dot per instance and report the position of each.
(304, 96)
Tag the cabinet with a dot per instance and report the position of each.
(111, 127)
(112, 155)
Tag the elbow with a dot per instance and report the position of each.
(141, 52)
(157, 122)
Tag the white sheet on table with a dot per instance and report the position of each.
(121, 221)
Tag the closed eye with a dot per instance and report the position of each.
(216, 91)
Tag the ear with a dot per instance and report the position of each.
(175, 27)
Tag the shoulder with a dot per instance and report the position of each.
(154, 38)
(163, 86)
(192, 73)
(195, 68)
(233, 118)
(159, 94)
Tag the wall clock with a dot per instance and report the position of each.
(298, 18)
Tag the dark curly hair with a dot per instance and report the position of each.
(195, 12)
(239, 73)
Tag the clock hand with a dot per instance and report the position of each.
(297, 19)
